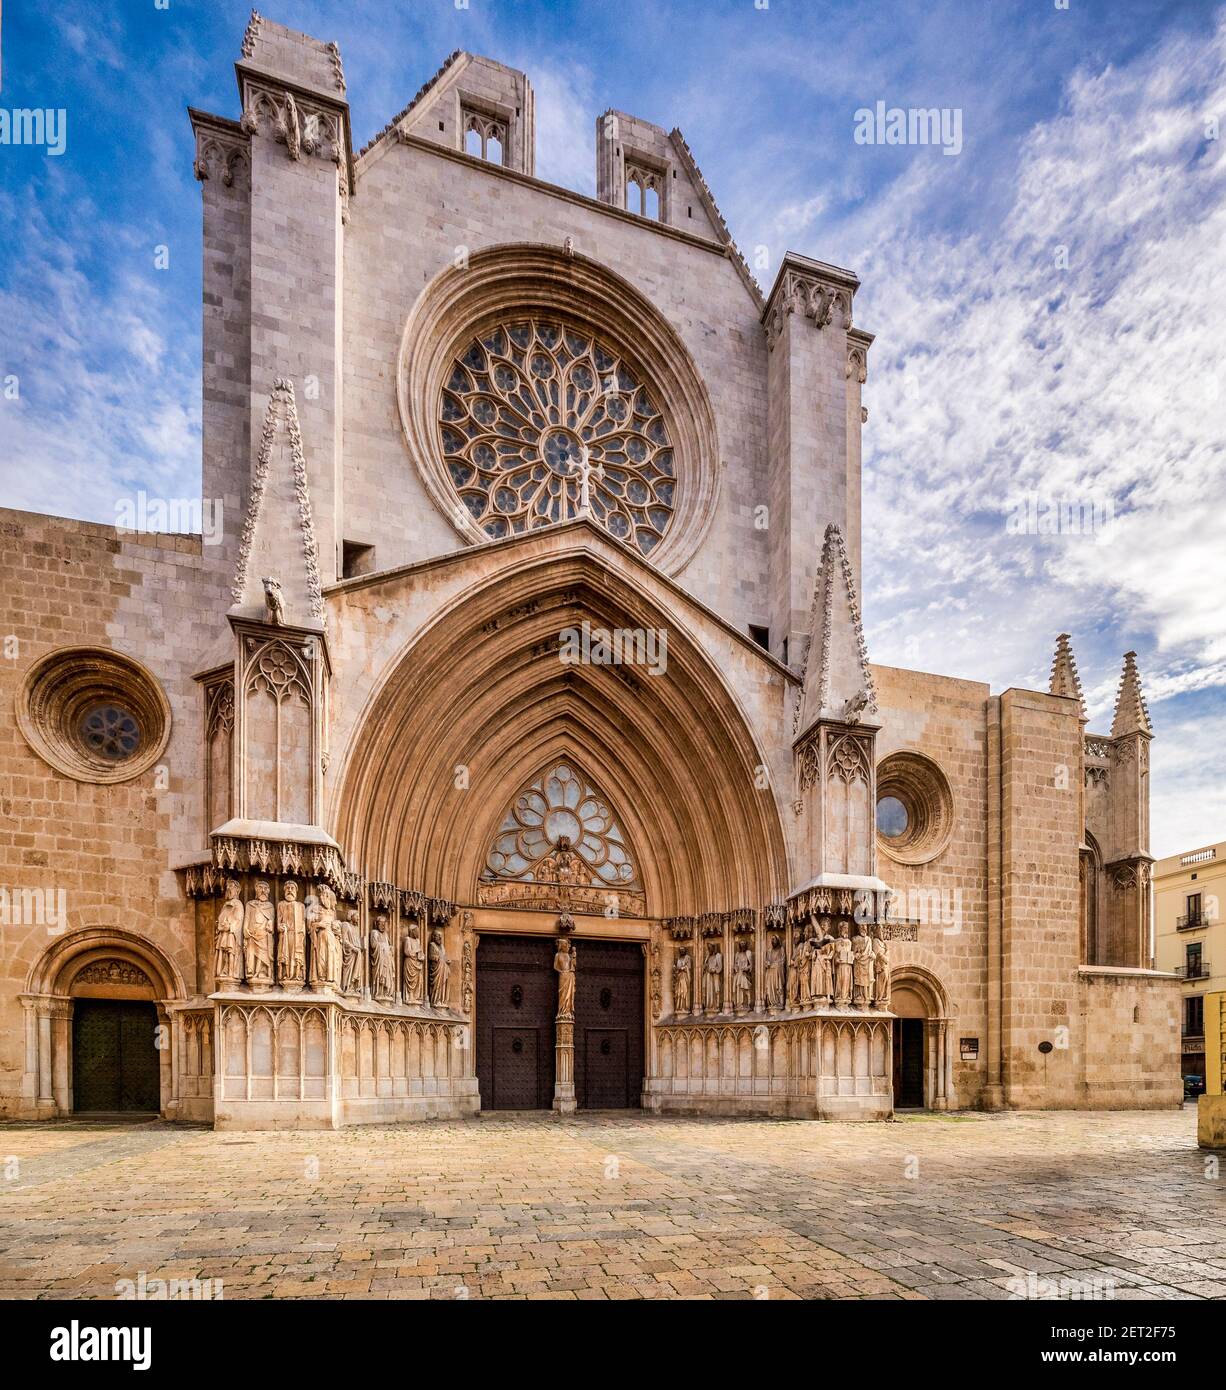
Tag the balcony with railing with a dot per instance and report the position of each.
(1199, 856)
(1191, 921)
(1194, 970)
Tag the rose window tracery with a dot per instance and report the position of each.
(561, 806)
(523, 403)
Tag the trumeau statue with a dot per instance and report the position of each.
(774, 978)
(351, 953)
(683, 982)
(440, 971)
(564, 964)
(258, 930)
(844, 957)
(382, 967)
(291, 938)
(227, 960)
(742, 976)
(713, 980)
(414, 967)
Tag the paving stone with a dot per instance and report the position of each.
(521, 1207)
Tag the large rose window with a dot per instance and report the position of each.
(561, 805)
(529, 407)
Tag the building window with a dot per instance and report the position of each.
(1194, 967)
(915, 808)
(892, 817)
(761, 635)
(485, 137)
(533, 407)
(357, 557)
(1194, 916)
(644, 192)
(561, 811)
(1194, 1016)
(93, 714)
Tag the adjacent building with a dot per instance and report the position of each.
(1189, 893)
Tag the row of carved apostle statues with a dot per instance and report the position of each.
(313, 944)
(839, 968)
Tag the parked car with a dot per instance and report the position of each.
(1193, 1086)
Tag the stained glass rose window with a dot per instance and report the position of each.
(561, 805)
(521, 405)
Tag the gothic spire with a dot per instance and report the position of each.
(835, 679)
(1064, 677)
(278, 560)
(1131, 711)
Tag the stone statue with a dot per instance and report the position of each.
(801, 970)
(742, 976)
(351, 953)
(440, 970)
(881, 968)
(713, 979)
(562, 866)
(844, 956)
(774, 978)
(586, 469)
(855, 706)
(321, 930)
(227, 958)
(861, 970)
(414, 966)
(823, 962)
(683, 982)
(382, 967)
(291, 938)
(564, 964)
(274, 601)
(258, 931)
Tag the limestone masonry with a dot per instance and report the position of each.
(515, 743)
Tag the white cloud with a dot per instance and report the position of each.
(996, 374)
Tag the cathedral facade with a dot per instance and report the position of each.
(512, 740)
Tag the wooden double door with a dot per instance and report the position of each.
(517, 997)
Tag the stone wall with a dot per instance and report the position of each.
(416, 209)
(107, 848)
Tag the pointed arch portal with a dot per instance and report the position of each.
(481, 702)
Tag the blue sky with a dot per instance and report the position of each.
(1049, 305)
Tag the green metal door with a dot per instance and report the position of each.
(114, 1056)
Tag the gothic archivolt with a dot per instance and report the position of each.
(468, 716)
(666, 498)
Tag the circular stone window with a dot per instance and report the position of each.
(533, 406)
(915, 808)
(94, 715)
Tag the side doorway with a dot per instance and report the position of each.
(908, 1063)
(115, 1061)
